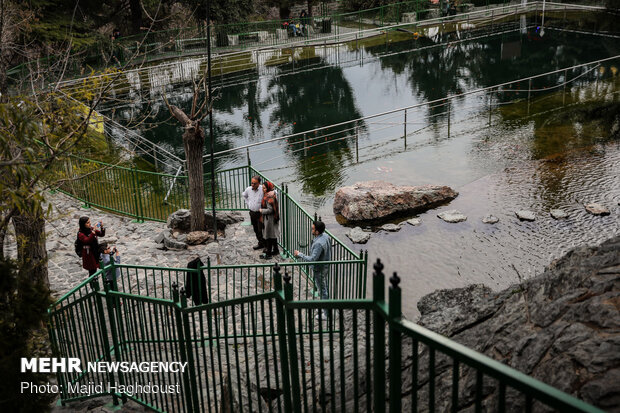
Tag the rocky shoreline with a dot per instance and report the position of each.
(561, 327)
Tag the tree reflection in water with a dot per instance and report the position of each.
(324, 97)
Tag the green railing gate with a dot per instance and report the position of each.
(269, 349)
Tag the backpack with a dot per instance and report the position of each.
(78, 246)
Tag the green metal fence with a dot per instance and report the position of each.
(146, 195)
(269, 350)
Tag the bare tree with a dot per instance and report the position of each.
(193, 143)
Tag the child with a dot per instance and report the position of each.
(106, 257)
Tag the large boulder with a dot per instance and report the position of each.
(377, 200)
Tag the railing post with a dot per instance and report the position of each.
(284, 359)
(395, 350)
(104, 332)
(490, 102)
(178, 321)
(292, 343)
(357, 138)
(137, 197)
(448, 105)
(529, 91)
(405, 129)
(118, 350)
(365, 271)
(284, 206)
(564, 92)
(305, 147)
(379, 337)
(190, 354)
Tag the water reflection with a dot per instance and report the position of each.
(321, 98)
(538, 155)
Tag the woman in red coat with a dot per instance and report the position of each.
(90, 246)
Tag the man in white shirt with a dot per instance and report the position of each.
(253, 196)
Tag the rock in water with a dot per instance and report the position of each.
(490, 219)
(597, 209)
(358, 236)
(452, 216)
(524, 215)
(558, 214)
(414, 221)
(391, 227)
(376, 200)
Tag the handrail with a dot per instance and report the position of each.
(417, 105)
(173, 182)
(516, 379)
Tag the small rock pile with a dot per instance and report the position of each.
(178, 235)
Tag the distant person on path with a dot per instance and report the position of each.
(320, 250)
(253, 196)
(303, 23)
(270, 218)
(107, 255)
(87, 237)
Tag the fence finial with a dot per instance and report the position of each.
(175, 286)
(395, 280)
(276, 268)
(378, 267)
(182, 290)
(287, 278)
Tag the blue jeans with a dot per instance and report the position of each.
(320, 281)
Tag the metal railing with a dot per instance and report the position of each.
(154, 196)
(404, 124)
(271, 350)
(342, 27)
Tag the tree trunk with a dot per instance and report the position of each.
(2, 238)
(193, 142)
(4, 86)
(31, 251)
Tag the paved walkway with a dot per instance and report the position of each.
(135, 241)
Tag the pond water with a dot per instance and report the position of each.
(536, 155)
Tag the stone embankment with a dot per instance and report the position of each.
(561, 327)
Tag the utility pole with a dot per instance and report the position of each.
(211, 138)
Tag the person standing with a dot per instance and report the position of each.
(270, 218)
(303, 23)
(87, 236)
(253, 196)
(320, 250)
(108, 255)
